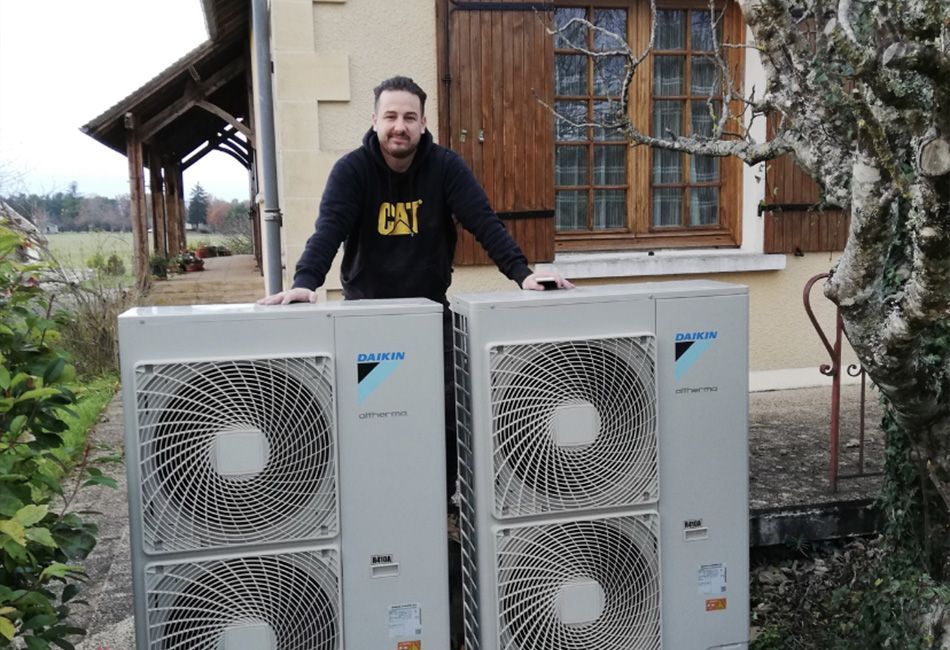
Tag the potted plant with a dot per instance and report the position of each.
(205, 250)
(158, 265)
(189, 262)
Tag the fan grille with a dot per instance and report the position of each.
(619, 556)
(191, 606)
(573, 425)
(190, 415)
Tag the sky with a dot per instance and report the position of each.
(63, 63)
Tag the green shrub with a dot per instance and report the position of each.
(96, 262)
(38, 545)
(158, 266)
(112, 266)
(854, 595)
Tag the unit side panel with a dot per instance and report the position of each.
(132, 463)
(703, 407)
(392, 470)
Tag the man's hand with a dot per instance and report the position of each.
(533, 281)
(298, 294)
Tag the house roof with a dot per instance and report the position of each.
(215, 71)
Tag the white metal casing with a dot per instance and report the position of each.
(375, 551)
(700, 508)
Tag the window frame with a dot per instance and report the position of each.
(639, 231)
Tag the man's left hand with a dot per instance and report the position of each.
(532, 283)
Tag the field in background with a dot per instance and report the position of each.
(74, 249)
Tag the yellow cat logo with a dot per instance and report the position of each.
(399, 218)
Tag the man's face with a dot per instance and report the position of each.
(399, 123)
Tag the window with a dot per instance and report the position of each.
(590, 175)
(609, 194)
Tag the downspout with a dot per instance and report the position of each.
(267, 156)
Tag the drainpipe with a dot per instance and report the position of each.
(267, 156)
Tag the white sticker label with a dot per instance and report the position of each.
(712, 579)
(405, 620)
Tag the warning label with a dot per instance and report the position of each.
(405, 620)
(715, 604)
(409, 645)
(712, 579)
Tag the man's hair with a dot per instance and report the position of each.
(400, 83)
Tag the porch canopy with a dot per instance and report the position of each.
(199, 104)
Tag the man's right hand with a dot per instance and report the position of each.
(297, 294)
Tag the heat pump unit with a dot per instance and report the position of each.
(603, 467)
(286, 476)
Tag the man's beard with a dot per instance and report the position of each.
(402, 153)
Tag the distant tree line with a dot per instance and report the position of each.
(72, 211)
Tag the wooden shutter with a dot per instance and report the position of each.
(792, 225)
(496, 62)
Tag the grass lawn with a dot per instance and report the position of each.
(74, 249)
(92, 399)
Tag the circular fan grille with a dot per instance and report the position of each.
(574, 425)
(188, 414)
(537, 564)
(193, 605)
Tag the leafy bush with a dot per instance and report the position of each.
(112, 266)
(158, 266)
(846, 596)
(38, 546)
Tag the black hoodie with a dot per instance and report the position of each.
(397, 227)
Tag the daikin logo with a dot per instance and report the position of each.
(365, 357)
(372, 369)
(696, 336)
(690, 346)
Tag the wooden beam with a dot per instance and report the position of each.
(236, 156)
(133, 148)
(238, 145)
(222, 146)
(232, 145)
(227, 117)
(182, 213)
(228, 136)
(172, 203)
(208, 147)
(204, 89)
(160, 244)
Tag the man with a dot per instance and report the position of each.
(391, 204)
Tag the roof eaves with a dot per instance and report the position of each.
(166, 76)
